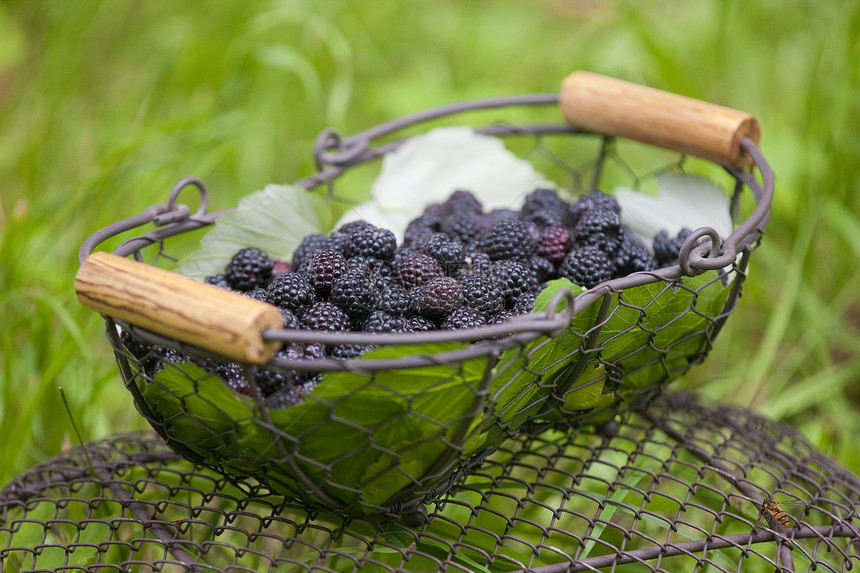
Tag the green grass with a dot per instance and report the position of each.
(104, 105)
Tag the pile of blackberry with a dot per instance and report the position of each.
(458, 266)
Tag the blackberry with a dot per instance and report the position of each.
(599, 227)
(347, 351)
(586, 266)
(218, 280)
(462, 201)
(509, 239)
(594, 200)
(545, 218)
(464, 317)
(373, 242)
(376, 268)
(290, 320)
(475, 262)
(501, 317)
(632, 256)
(666, 248)
(284, 398)
(543, 269)
(324, 268)
(439, 297)
(326, 316)
(394, 299)
(462, 226)
(234, 376)
(353, 226)
(554, 243)
(419, 324)
(419, 229)
(248, 269)
(516, 279)
(415, 269)
(483, 292)
(355, 293)
(448, 253)
(270, 380)
(525, 304)
(258, 294)
(291, 291)
(308, 246)
(543, 200)
(381, 321)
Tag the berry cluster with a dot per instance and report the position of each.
(458, 266)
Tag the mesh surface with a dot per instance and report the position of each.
(678, 487)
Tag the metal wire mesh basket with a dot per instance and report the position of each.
(382, 434)
(680, 487)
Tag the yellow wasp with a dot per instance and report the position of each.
(777, 513)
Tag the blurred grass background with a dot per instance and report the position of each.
(104, 105)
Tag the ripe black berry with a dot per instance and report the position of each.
(291, 291)
(586, 266)
(325, 316)
(248, 269)
(415, 269)
(439, 297)
(516, 280)
(464, 317)
(554, 243)
(631, 257)
(355, 293)
(509, 239)
(373, 242)
(381, 321)
(324, 268)
(483, 292)
(448, 253)
(599, 227)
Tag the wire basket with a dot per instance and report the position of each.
(382, 434)
(679, 487)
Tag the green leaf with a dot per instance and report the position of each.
(274, 219)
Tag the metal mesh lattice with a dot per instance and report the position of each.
(676, 488)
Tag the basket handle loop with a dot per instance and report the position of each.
(617, 108)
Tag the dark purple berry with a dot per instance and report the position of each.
(483, 292)
(371, 242)
(325, 316)
(356, 293)
(415, 269)
(516, 279)
(439, 297)
(464, 317)
(553, 244)
(632, 256)
(600, 228)
(291, 291)
(448, 253)
(324, 268)
(586, 266)
(219, 281)
(509, 239)
(381, 321)
(248, 269)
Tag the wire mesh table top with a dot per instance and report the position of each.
(683, 486)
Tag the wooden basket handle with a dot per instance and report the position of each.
(179, 307)
(614, 107)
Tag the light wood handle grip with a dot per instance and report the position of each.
(615, 107)
(179, 307)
